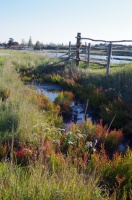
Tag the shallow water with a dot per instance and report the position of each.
(78, 109)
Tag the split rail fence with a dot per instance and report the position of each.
(86, 50)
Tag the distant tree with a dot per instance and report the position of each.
(38, 45)
(30, 44)
(11, 42)
(15, 43)
(23, 42)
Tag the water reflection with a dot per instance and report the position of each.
(78, 109)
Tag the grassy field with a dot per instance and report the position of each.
(109, 95)
(38, 158)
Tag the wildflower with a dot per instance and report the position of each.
(61, 129)
(69, 133)
(89, 144)
(94, 150)
(70, 142)
(79, 135)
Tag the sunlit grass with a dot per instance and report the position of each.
(44, 170)
(37, 183)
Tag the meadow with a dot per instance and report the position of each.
(39, 159)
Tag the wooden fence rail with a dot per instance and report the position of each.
(88, 49)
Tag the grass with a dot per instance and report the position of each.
(36, 183)
(102, 91)
(38, 158)
(119, 79)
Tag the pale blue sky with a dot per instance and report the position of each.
(58, 21)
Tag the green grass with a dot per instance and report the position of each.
(37, 183)
(34, 163)
(92, 84)
(119, 79)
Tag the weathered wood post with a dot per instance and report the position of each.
(78, 45)
(69, 48)
(88, 61)
(86, 48)
(109, 57)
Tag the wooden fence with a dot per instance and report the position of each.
(86, 49)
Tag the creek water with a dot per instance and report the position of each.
(78, 109)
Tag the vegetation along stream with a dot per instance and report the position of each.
(78, 111)
(64, 129)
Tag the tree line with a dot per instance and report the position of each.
(37, 46)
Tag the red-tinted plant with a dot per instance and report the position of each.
(23, 155)
(64, 100)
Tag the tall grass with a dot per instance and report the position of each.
(119, 79)
(34, 164)
(37, 183)
(22, 122)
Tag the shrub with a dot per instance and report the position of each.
(122, 112)
(64, 100)
(97, 97)
(119, 174)
(43, 102)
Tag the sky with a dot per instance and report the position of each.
(59, 21)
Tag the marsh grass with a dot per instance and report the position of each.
(17, 111)
(119, 79)
(37, 183)
(101, 90)
(32, 164)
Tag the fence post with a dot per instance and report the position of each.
(78, 45)
(69, 48)
(109, 57)
(86, 51)
(88, 61)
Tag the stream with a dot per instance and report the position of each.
(78, 109)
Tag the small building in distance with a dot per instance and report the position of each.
(18, 47)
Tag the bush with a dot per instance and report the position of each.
(122, 112)
(118, 174)
(64, 100)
